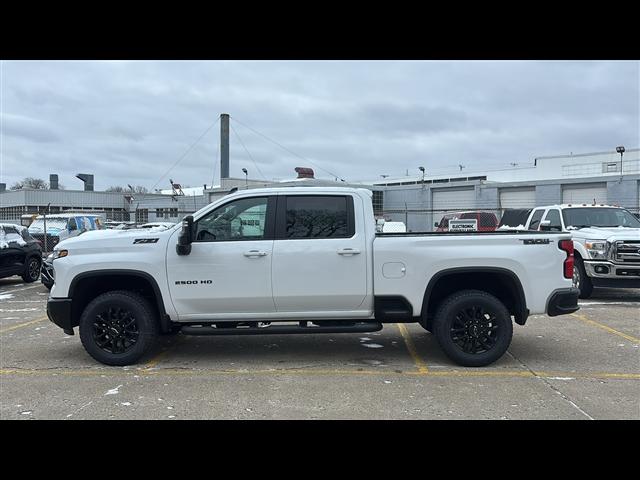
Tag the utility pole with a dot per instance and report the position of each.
(224, 146)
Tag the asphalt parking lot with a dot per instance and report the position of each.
(581, 366)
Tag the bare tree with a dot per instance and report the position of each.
(30, 182)
(136, 189)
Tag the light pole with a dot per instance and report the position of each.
(620, 150)
(422, 170)
(246, 178)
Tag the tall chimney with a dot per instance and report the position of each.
(53, 181)
(224, 145)
(88, 181)
(3, 187)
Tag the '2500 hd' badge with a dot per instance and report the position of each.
(194, 282)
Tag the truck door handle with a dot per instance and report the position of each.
(348, 251)
(255, 253)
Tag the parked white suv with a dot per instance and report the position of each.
(606, 240)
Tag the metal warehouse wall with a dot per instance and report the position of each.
(415, 205)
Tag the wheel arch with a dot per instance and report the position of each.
(500, 282)
(87, 286)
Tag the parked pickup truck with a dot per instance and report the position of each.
(606, 240)
(304, 260)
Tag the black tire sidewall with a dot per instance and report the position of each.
(26, 276)
(446, 314)
(586, 287)
(144, 319)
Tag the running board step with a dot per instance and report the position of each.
(360, 327)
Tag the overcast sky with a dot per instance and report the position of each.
(128, 122)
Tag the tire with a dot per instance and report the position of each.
(580, 279)
(465, 333)
(427, 324)
(118, 328)
(32, 270)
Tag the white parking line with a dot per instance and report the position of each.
(14, 290)
(609, 303)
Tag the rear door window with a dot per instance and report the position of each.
(535, 219)
(316, 216)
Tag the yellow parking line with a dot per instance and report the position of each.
(604, 327)
(420, 364)
(21, 325)
(158, 358)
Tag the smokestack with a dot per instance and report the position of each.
(88, 181)
(224, 145)
(53, 181)
(3, 187)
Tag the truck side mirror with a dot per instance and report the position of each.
(183, 247)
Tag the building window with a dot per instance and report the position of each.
(377, 199)
(142, 215)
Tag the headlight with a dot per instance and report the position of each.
(597, 249)
(60, 253)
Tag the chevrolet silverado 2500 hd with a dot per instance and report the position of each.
(304, 260)
(606, 240)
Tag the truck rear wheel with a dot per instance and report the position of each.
(117, 328)
(473, 328)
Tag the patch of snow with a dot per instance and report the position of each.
(6, 296)
(507, 227)
(561, 378)
(126, 404)
(114, 391)
(371, 345)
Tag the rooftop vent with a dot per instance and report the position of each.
(304, 172)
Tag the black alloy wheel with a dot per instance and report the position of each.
(115, 330)
(118, 327)
(32, 272)
(475, 330)
(473, 327)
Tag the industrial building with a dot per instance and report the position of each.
(600, 177)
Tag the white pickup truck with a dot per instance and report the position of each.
(304, 260)
(606, 241)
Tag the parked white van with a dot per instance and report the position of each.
(62, 226)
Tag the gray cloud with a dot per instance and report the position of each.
(128, 122)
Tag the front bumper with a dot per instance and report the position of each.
(608, 274)
(59, 312)
(47, 275)
(563, 301)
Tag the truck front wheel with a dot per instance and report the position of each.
(473, 328)
(117, 328)
(581, 280)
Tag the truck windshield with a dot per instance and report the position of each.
(599, 217)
